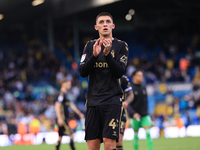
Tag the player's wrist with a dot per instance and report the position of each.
(128, 101)
(95, 55)
(106, 52)
(59, 118)
(79, 114)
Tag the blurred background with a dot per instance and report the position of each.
(41, 41)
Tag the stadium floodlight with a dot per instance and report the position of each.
(131, 11)
(37, 2)
(1, 16)
(128, 17)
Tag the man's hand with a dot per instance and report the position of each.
(137, 116)
(60, 122)
(125, 104)
(81, 115)
(107, 43)
(97, 48)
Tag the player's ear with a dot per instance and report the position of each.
(95, 26)
(113, 26)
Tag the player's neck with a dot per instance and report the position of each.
(63, 90)
(137, 83)
(106, 37)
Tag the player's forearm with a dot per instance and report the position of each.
(74, 108)
(57, 110)
(87, 66)
(117, 69)
(131, 110)
(130, 97)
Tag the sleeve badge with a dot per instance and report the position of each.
(83, 57)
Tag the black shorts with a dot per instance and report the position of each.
(65, 129)
(102, 121)
(123, 121)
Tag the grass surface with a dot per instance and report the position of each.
(188, 143)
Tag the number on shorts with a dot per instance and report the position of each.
(122, 124)
(112, 123)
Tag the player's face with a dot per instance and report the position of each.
(67, 85)
(104, 25)
(138, 77)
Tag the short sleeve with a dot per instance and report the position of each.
(60, 98)
(126, 86)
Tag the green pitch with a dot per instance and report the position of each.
(188, 143)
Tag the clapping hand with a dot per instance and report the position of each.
(97, 48)
(107, 43)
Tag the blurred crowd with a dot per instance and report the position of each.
(35, 65)
(21, 71)
(178, 111)
(166, 56)
(169, 57)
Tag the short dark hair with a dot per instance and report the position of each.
(137, 70)
(104, 14)
(63, 80)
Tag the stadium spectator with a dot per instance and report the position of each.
(169, 99)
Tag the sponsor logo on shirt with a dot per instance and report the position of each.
(101, 65)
